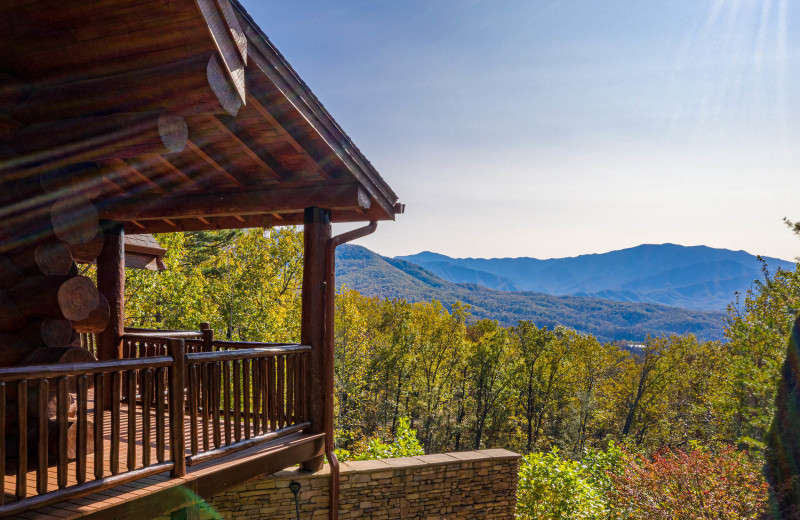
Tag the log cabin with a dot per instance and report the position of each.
(126, 117)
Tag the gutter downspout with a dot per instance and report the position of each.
(330, 322)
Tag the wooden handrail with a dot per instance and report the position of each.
(137, 330)
(249, 443)
(248, 344)
(250, 353)
(144, 336)
(72, 369)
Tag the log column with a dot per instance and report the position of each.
(316, 233)
(111, 284)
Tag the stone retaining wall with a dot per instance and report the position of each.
(468, 485)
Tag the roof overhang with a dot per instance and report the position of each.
(167, 116)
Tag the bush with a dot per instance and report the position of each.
(689, 485)
(551, 487)
(404, 444)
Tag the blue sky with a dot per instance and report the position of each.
(557, 128)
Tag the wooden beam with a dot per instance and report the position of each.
(192, 86)
(300, 149)
(227, 47)
(185, 180)
(211, 162)
(316, 234)
(250, 147)
(122, 135)
(348, 196)
(199, 224)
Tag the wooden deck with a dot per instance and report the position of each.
(159, 493)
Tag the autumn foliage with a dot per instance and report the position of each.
(694, 484)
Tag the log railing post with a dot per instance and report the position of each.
(316, 233)
(208, 337)
(176, 348)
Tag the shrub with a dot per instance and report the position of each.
(689, 485)
(551, 487)
(404, 444)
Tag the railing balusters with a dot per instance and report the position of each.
(99, 440)
(22, 444)
(82, 410)
(193, 390)
(290, 389)
(41, 467)
(257, 376)
(246, 393)
(132, 420)
(237, 401)
(273, 404)
(61, 418)
(206, 400)
(265, 397)
(280, 392)
(238, 386)
(116, 385)
(161, 388)
(226, 400)
(146, 391)
(215, 397)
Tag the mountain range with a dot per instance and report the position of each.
(696, 277)
(374, 275)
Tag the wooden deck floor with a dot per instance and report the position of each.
(129, 493)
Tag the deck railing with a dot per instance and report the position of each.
(55, 416)
(177, 400)
(242, 397)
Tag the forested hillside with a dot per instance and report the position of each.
(374, 275)
(696, 277)
(589, 413)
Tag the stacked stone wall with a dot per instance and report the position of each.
(464, 485)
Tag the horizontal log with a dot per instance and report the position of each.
(74, 219)
(121, 135)
(10, 273)
(348, 196)
(54, 257)
(197, 85)
(62, 297)
(85, 178)
(16, 346)
(58, 355)
(13, 91)
(87, 253)
(8, 127)
(11, 318)
(97, 321)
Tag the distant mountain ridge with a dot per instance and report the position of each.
(374, 275)
(693, 277)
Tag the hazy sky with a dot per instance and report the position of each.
(562, 127)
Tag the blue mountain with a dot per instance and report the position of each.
(615, 316)
(692, 277)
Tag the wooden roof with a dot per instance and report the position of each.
(168, 115)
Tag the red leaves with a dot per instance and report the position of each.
(696, 484)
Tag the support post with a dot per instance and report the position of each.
(208, 337)
(111, 284)
(316, 233)
(176, 348)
